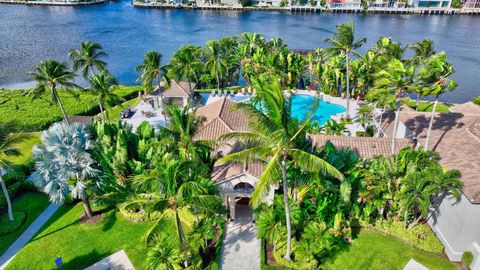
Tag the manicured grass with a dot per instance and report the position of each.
(373, 250)
(24, 146)
(32, 204)
(81, 245)
(29, 115)
(427, 106)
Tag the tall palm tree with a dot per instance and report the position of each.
(164, 255)
(102, 86)
(170, 186)
(423, 50)
(50, 77)
(185, 64)
(151, 69)
(88, 57)
(63, 164)
(434, 80)
(396, 79)
(215, 60)
(344, 42)
(273, 141)
(7, 148)
(414, 196)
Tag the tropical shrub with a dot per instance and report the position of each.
(467, 259)
(476, 101)
(421, 236)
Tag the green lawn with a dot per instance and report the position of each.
(31, 203)
(375, 251)
(114, 112)
(29, 115)
(427, 106)
(81, 245)
(24, 146)
(372, 250)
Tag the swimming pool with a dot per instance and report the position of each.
(302, 104)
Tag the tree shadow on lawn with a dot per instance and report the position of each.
(109, 220)
(64, 209)
(80, 262)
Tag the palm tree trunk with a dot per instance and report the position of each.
(181, 234)
(287, 205)
(380, 122)
(7, 197)
(55, 93)
(101, 111)
(418, 102)
(432, 117)
(160, 94)
(395, 129)
(347, 113)
(86, 207)
(218, 79)
(405, 216)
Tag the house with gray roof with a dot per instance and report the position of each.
(456, 137)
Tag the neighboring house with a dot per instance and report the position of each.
(365, 147)
(179, 92)
(471, 4)
(431, 3)
(235, 182)
(456, 137)
(356, 4)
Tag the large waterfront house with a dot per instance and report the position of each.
(456, 137)
(236, 182)
(471, 4)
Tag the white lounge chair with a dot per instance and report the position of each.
(213, 93)
(219, 92)
(225, 92)
(232, 93)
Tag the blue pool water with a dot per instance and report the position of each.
(302, 105)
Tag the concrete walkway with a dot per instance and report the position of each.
(241, 247)
(25, 237)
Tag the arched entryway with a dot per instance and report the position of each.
(243, 212)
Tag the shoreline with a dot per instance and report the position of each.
(317, 9)
(52, 3)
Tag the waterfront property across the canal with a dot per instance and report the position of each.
(127, 33)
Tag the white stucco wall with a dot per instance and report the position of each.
(228, 185)
(457, 225)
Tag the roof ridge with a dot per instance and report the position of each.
(221, 112)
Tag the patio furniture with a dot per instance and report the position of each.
(213, 93)
(219, 92)
(225, 92)
(232, 93)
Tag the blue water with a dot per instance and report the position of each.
(31, 33)
(302, 106)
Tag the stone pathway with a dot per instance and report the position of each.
(25, 237)
(241, 247)
(117, 261)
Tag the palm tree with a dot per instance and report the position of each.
(383, 99)
(88, 57)
(102, 86)
(151, 69)
(344, 42)
(164, 255)
(63, 164)
(434, 79)
(270, 225)
(423, 50)
(7, 148)
(364, 117)
(181, 128)
(52, 76)
(170, 186)
(185, 64)
(273, 141)
(396, 79)
(215, 61)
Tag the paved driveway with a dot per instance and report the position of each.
(241, 247)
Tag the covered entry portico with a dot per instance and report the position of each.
(236, 184)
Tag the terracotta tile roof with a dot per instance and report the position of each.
(222, 171)
(80, 119)
(455, 136)
(220, 119)
(365, 147)
(179, 89)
